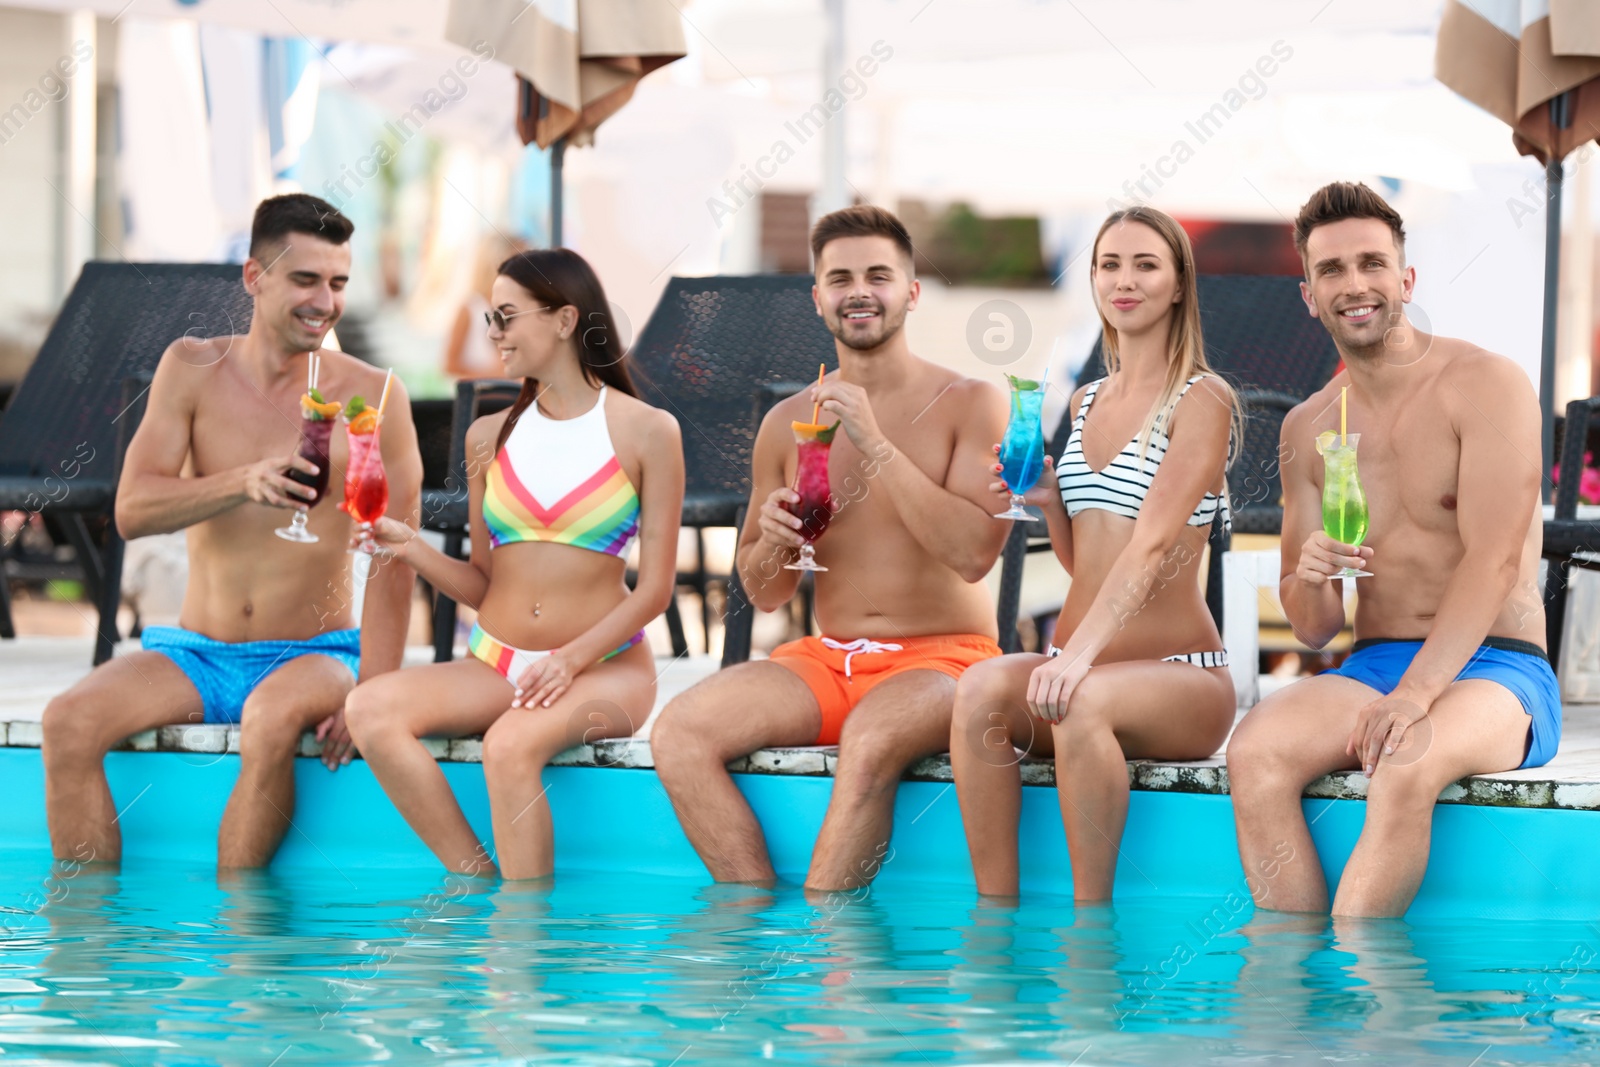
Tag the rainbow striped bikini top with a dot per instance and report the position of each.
(558, 480)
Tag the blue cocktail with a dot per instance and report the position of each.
(1022, 451)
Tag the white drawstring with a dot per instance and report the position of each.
(851, 649)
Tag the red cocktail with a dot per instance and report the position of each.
(366, 487)
(815, 508)
(316, 430)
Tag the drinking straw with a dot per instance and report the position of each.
(1344, 391)
(822, 368)
(311, 361)
(388, 380)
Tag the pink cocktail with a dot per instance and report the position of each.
(815, 507)
(366, 487)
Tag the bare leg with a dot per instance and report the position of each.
(990, 723)
(287, 703)
(897, 723)
(1476, 727)
(730, 714)
(1137, 709)
(1288, 741)
(131, 693)
(387, 718)
(610, 699)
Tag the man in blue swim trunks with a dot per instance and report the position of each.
(266, 636)
(1448, 676)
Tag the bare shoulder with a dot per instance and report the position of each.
(1209, 399)
(189, 363)
(1299, 424)
(485, 429)
(1479, 374)
(958, 398)
(364, 378)
(647, 424)
(790, 409)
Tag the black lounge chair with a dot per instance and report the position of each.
(710, 347)
(59, 449)
(1568, 541)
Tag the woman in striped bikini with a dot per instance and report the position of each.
(1137, 669)
(564, 482)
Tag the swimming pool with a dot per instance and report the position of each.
(162, 964)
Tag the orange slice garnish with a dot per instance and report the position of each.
(365, 422)
(328, 411)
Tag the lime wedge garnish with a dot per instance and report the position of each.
(1024, 385)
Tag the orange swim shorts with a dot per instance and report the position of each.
(840, 673)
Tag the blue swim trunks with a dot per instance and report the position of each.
(1520, 666)
(226, 672)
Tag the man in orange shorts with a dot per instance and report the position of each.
(910, 538)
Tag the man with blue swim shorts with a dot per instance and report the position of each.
(1448, 676)
(267, 636)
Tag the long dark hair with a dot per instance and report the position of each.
(556, 277)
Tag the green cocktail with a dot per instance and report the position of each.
(1344, 502)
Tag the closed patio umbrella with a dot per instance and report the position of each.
(577, 63)
(1533, 64)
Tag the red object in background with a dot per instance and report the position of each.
(1223, 247)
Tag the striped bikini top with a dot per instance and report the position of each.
(559, 480)
(1121, 487)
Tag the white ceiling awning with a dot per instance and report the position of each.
(408, 23)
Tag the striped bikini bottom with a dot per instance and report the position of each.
(1218, 658)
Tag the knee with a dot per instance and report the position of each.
(68, 732)
(677, 741)
(1403, 790)
(516, 747)
(982, 683)
(363, 713)
(269, 727)
(1089, 718)
(1258, 762)
(870, 761)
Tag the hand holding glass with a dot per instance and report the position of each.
(1344, 502)
(1022, 450)
(815, 507)
(316, 430)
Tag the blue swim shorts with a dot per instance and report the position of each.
(1520, 666)
(226, 672)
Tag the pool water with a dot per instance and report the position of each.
(162, 964)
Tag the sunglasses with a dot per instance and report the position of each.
(498, 319)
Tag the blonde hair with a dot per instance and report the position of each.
(1186, 350)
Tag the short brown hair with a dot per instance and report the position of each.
(279, 216)
(862, 220)
(1338, 201)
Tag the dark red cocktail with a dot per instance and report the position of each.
(815, 507)
(316, 431)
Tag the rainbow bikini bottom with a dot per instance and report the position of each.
(511, 662)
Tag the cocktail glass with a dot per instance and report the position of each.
(815, 507)
(366, 487)
(1344, 502)
(1022, 450)
(316, 429)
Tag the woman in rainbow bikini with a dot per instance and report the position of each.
(564, 481)
(1138, 670)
